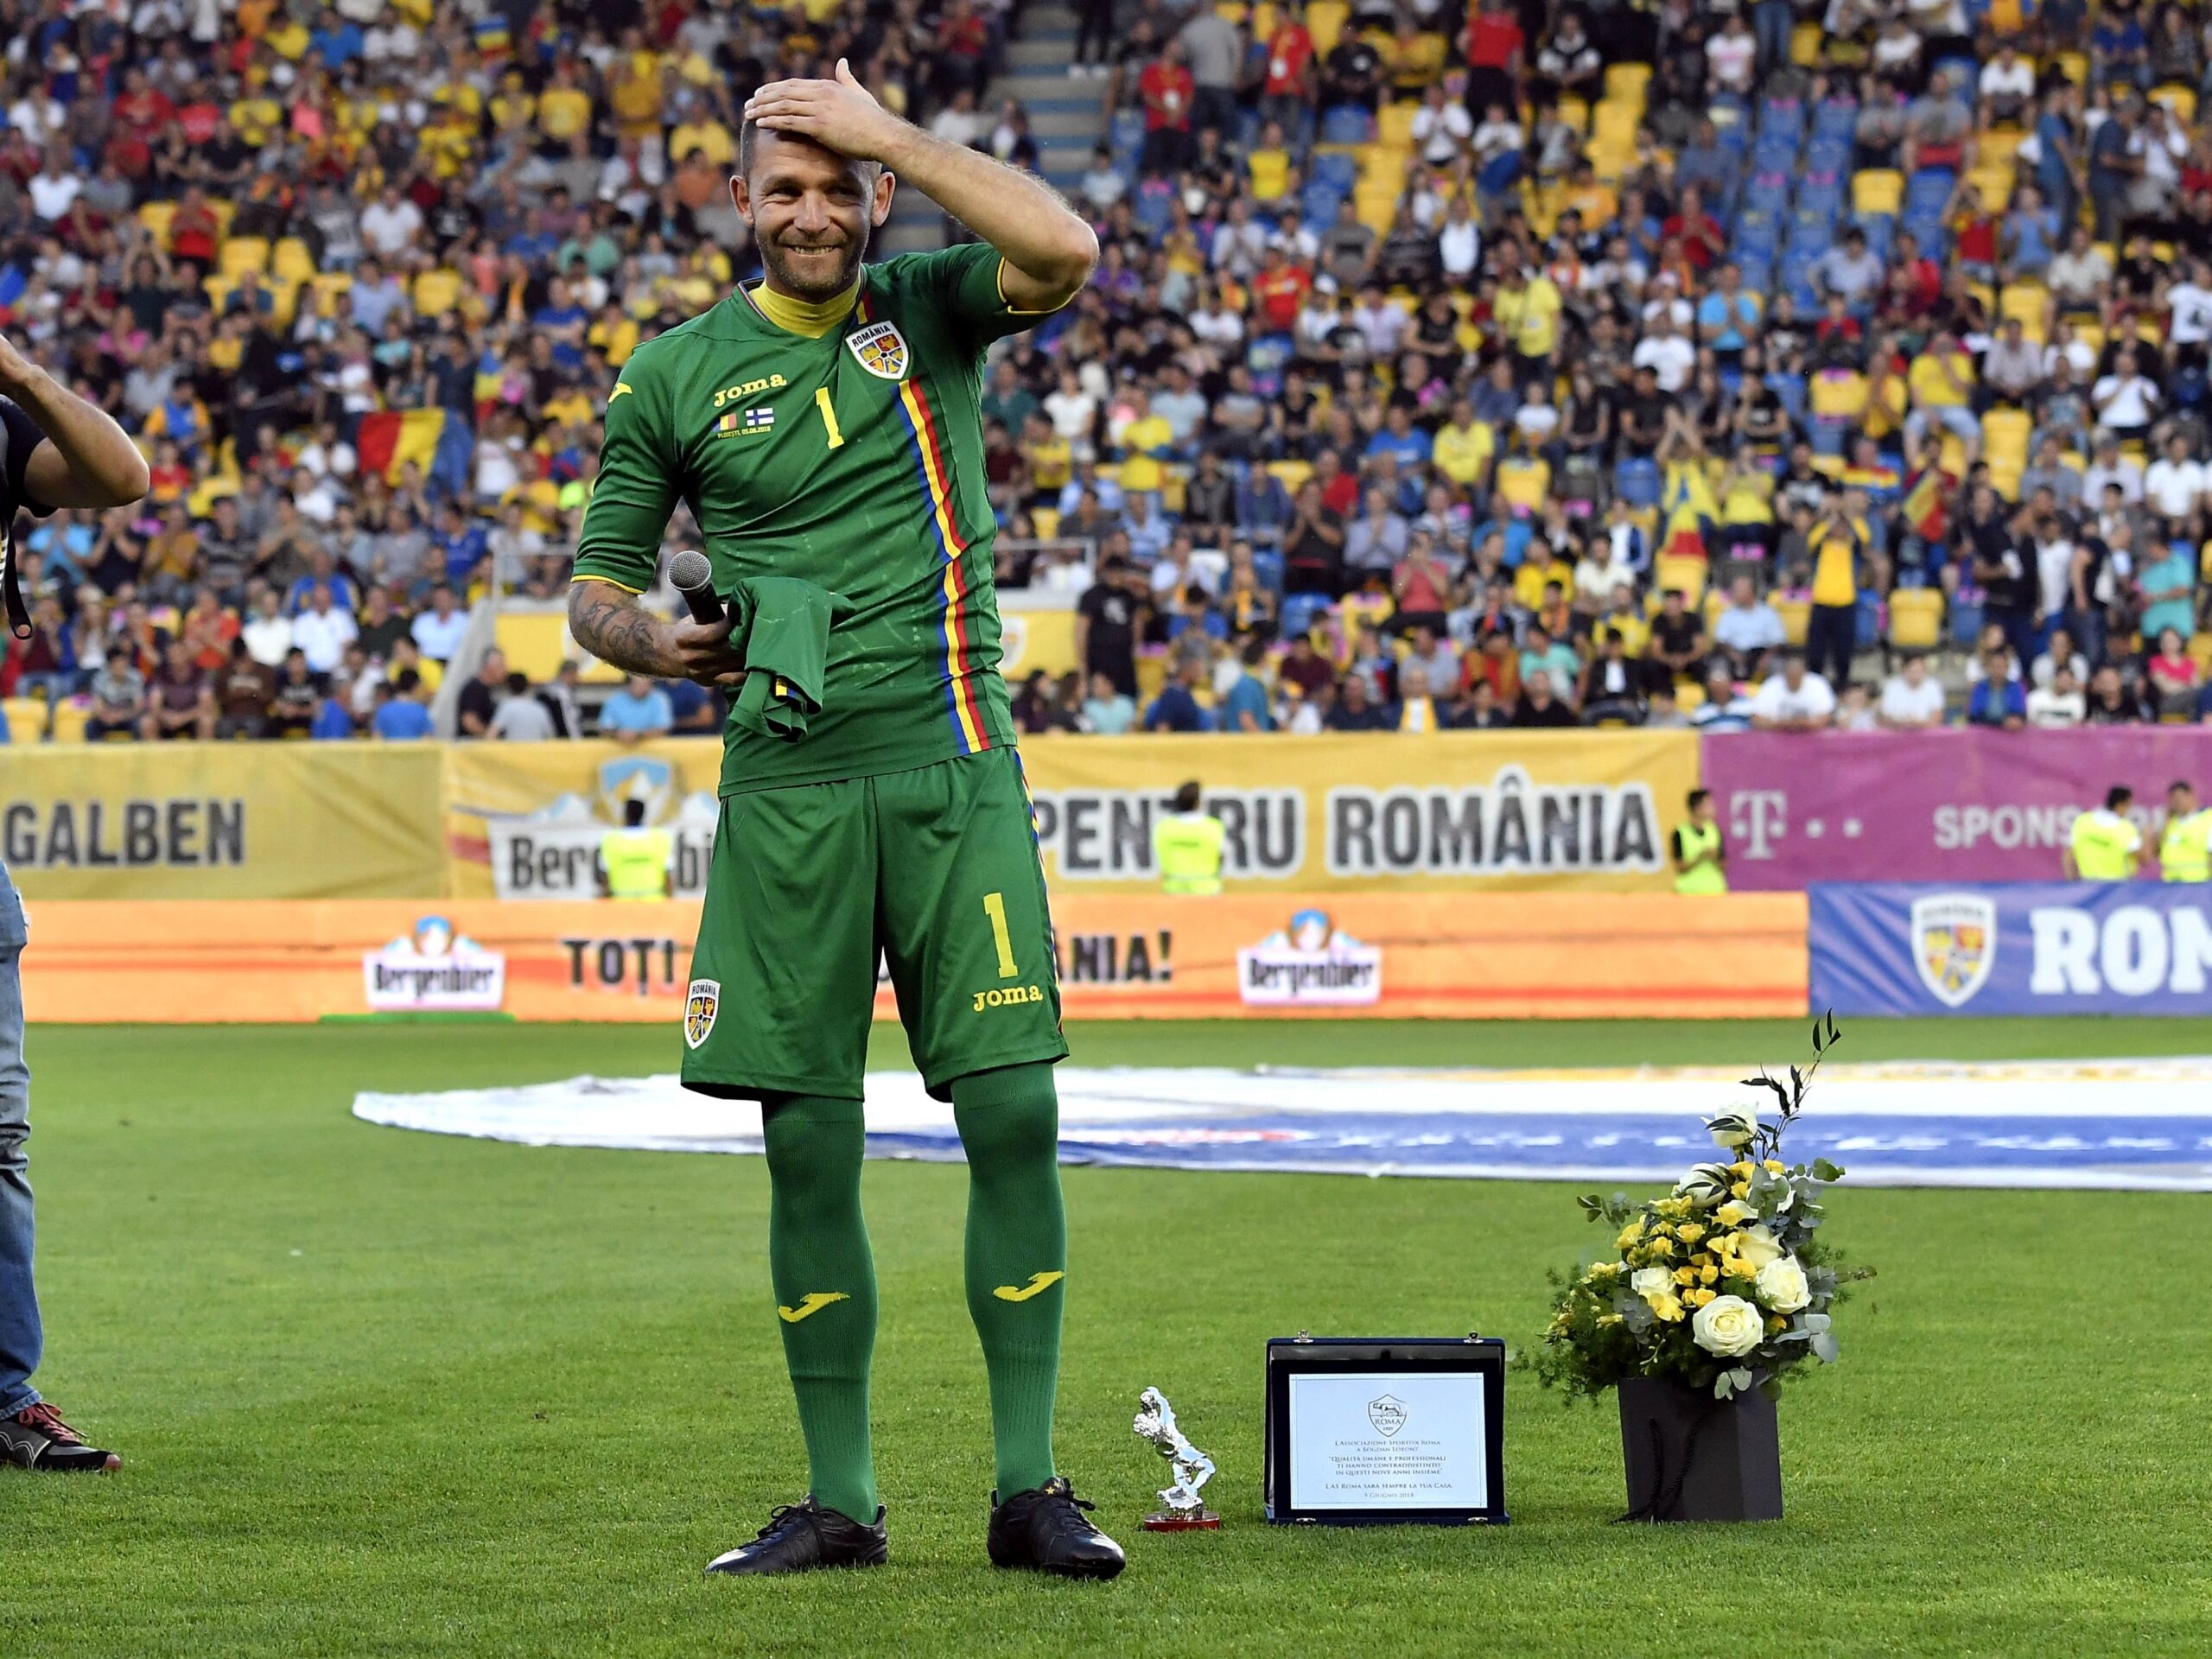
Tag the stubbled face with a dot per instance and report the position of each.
(811, 211)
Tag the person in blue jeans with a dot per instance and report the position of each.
(56, 450)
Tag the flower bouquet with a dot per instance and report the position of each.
(1719, 1289)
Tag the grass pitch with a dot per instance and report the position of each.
(388, 1393)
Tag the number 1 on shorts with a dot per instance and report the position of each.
(994, 907)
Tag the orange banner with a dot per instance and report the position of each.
(1500, 955)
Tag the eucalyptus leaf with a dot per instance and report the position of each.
(1824, 1348)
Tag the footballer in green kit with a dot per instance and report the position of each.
(823, 426)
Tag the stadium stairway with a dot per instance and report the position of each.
(1067, 117)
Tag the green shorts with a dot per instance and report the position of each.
(934, 872)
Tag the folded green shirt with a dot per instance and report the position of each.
(783, 628)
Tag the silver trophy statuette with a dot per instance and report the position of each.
(1186, 1509)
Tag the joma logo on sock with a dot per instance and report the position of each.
(1007, 998)
(1038, 1281)
(813, 1302)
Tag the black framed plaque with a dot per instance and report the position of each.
(1373, 1431)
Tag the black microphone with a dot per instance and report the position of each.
(692, 575)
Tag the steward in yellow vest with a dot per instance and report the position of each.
(636, 858)
(2104, 845)
(1186, 845)
(2186, 849)
(1698, 857)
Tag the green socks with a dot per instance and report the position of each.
(825, 1289)
(825, 1277)
(1017, 1257)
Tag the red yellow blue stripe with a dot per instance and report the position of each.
(933, 466)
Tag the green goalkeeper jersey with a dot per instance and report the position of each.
(853, 461)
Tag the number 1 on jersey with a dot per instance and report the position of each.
(994, 907)
(829, 426)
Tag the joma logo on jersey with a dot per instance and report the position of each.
(1007, 998)
(731, 394)
(881, 349)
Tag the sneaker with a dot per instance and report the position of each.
(1045, 1529)
(36, 1438)
(802, 1536)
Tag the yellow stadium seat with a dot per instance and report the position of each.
(1294, 474)
(26, 719)
(1877, 190)
(1575, 111)
(1998, 144)
(155, 217)
(1689, 696)
(2181, 100)
(286, 296)
(1152, 678)
(2005, 433)
(1396, 124)
(1795, 615)
(1325, 22)
(240, 254)
(2025, 301)
(1916, 618)
(218, 290)
(1805, 45)
(1615, 121)
(1046, 521)
(1676, 571)
(437, 292)
(2091, 334)
(69, 718)
(291, 260)
(2200, 651)
(224, 211)
(1625, 83)
(2075, 66)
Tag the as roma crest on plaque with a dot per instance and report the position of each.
(1954, 945)
(699, 1006)
(1387, 1413)
(881, 349)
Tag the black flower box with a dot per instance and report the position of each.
(1693, 1458)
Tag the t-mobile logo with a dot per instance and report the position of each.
(1757, 819)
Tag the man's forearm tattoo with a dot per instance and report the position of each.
(608, 623)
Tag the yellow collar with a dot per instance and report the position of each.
(812, 318)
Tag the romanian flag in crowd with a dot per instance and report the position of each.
(492, 39)
(1927, 504)
(437, 443)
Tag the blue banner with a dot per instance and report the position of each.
(2012, 948)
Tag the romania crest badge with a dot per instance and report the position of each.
(881, 349)
(699, 1009)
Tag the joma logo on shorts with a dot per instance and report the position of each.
(1007, 998)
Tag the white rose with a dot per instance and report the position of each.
(1706, 1185)
(1731, 1129)
(1728, 1326)
(1758, 1248)
(1782, 1287)
(1651, 1281)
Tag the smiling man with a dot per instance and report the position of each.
(825, 427)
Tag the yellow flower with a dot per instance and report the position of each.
(1774, 1167)
(1608, 1268)
(1661, 1248)
(1689, 1232)
(1609, 1319)
(1630, 1233)
(1775, 1322)
(1708, 1273)
(1733, 1214)
(1742, 1189)
(1673, 1206)
(1666, 1306)
(1743, 1171)
(1685, 1276)
(1699, 1298)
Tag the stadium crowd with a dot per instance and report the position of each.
(1536, 365)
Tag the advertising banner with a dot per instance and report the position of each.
(2060, 947)
(126, 821)
(1956, 805)
(1527, 955)
(1475, 811)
